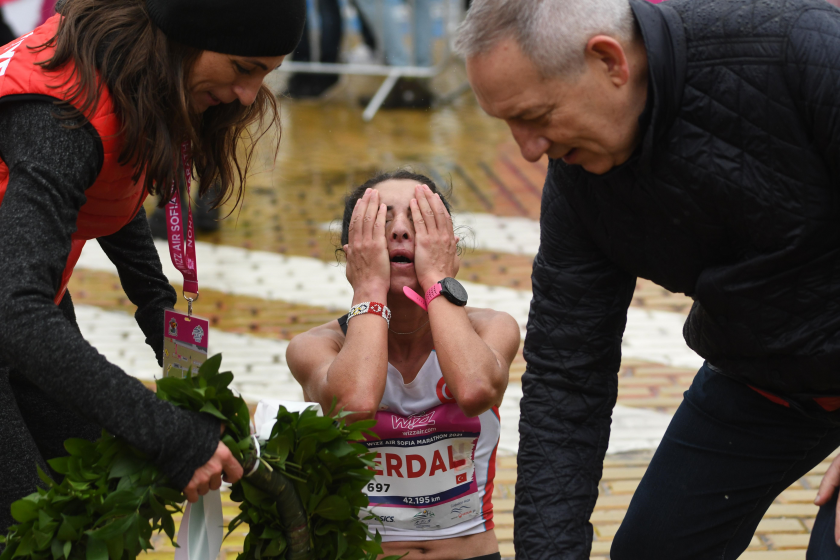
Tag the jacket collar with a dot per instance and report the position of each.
(664, 38)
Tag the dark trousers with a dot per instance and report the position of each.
(331, 34)
(727, 454)
(33, 427)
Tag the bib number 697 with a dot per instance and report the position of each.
(378, 487)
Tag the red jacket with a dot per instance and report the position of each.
(114, 199)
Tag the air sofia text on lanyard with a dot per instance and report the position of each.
(185, 349)
(185, 337)
(181, 243)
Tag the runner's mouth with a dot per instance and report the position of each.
(401, 259)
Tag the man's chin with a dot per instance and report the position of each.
(598, 168)
(600, 165)
(594, 165)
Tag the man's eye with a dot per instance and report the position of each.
(535, 118)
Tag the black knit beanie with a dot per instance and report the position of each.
(237, 27)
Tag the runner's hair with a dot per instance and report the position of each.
(147, 76)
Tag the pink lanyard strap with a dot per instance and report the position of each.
(181, 249)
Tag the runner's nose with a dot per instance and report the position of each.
(401, 228)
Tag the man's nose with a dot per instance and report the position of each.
(531, 143)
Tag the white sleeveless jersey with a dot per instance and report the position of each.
(435, 466)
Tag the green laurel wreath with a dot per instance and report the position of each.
(112, 498)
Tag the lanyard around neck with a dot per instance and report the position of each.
(181, 241)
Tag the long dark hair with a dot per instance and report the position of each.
(146, 75)
(359, 192)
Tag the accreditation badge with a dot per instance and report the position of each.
(184, 343)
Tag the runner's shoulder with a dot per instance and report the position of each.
(320, 338)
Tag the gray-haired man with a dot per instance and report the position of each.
(697, 144)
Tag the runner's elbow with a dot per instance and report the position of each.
(362, 408)
(477, 400)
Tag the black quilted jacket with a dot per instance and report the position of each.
(733, 198)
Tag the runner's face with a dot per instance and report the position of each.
(221, 78)
(396, 194)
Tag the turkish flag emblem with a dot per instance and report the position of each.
(461, 478)
(443, 392)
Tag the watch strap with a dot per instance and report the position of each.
(415, 297)
(433, 292)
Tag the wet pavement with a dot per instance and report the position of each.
(270, 273)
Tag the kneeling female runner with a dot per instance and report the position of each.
(432, 379)
(91, 102)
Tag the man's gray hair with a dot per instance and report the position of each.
(552, 33)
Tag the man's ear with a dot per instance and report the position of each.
(607, 54)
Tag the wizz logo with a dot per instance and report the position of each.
(413, 421)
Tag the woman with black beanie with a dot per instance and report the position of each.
(98, 107)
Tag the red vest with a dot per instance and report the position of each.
(114, 199)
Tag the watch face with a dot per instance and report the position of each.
(454, 291)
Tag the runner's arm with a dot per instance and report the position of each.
(133, 252)
(351, 369)
(474, 364)
(475, 351)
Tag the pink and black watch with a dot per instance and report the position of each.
(451, 289)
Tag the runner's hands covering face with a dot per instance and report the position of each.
(368, 265)
(435, 248)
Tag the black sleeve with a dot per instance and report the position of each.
(50, 169)
(133, 252)
(813, 75)
(573, 353)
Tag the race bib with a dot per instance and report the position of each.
(425, 474)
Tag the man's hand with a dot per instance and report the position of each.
(209, 476)
(828, 486)
(368, 265)
(436, 247)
